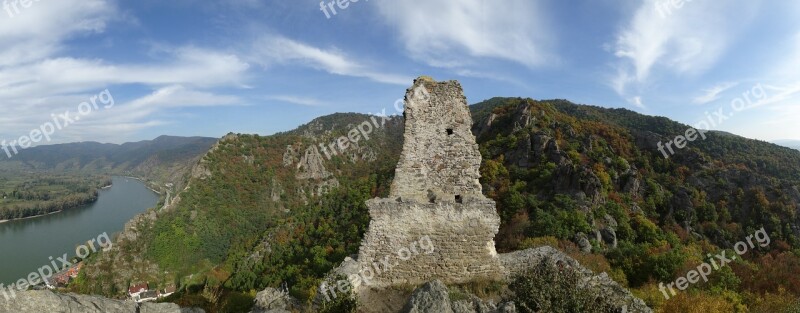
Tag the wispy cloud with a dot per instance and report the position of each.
(688, 41)
(272, 50)
(304, 101)
(189, 66)
(38, 79)
(40, 31)
(446, 33)
(713, 94)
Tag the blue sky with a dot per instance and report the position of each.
(190, 67)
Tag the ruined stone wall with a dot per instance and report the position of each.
(440, 158)
(461, 246)
(435, 194)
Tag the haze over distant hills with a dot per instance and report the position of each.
(164, 159)
(50, 178)
(794, 144)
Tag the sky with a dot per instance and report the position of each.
(120, 71)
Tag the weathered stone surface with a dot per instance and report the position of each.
(289, 156)
(583, 242)
(311, 166)
(462, 237)
(433, 297)
(46, 301)
(435, 194)
(440, 159)
(476, 305)
(272, 300)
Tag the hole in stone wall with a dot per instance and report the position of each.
(449, 131)
(458, 199)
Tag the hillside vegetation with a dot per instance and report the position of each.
(270, 212)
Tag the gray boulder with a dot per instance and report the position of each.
(272, 300)
(432, 297)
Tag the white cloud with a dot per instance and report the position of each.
(713, 93)
(271, 50)
(445, 33)
(106, 123)
(637, 101)
(189, 66)
(304, 101)
(687, 41)
(38, 79)
(39, 31)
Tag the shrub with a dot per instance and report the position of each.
(546, 288)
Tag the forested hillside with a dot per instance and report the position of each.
(275, 211)
(32, 194)
(52, 178)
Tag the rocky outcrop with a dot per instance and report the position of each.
(311, 166)
(290, 156)
(608, 231)
(519, 262)
(272, 300)
(47, 301)
(434, 297)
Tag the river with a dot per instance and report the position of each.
(26, 245)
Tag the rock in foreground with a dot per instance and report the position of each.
(41, 301)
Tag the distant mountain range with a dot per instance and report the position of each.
(164, 159)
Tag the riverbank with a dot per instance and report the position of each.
(145, 183)
(53, 235)
(30, 217)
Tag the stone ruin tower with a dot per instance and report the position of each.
(435, 193)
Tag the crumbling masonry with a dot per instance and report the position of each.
(436, 193)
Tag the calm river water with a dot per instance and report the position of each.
(26, 245)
